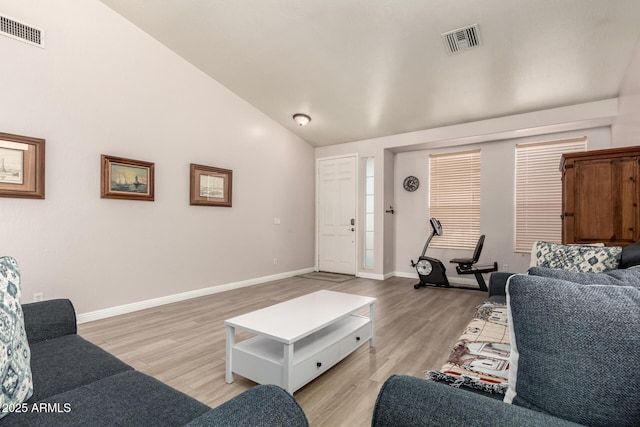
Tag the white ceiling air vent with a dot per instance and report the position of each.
(461, 39)
(19, 31)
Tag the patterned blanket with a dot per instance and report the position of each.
(480, 359)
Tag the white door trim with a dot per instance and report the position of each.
(357, 208)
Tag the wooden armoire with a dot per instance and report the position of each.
(600, 196)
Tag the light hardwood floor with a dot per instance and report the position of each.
(183, 344)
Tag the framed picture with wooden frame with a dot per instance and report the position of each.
(210, 186)
(126, 179)
(21, 166)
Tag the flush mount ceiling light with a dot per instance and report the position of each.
(301, 119)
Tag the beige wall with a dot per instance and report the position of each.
(102, 86)
(626, 129)
(400, 237)
(497, 219)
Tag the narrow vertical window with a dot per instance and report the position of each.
(538, 198)
(368, 213)
(454, 198)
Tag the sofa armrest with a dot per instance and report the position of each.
(263, 405)
(498, 286)
(49, 319)
(411, 401)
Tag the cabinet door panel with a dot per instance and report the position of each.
(593, 182)
(604, 197)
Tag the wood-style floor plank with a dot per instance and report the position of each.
(183, 344)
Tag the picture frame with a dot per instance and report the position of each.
(211, 186)
(127, 179)
(21, 166)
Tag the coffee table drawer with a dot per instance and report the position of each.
(310, 368)
(355, 340)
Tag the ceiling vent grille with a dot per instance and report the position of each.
(461, 39)
(19, 31)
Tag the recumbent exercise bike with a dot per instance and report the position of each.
(432, 272)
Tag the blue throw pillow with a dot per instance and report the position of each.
(575, 350)
(628, 277)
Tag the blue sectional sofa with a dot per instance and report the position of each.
(575, 352)
(50, 376)
(76, 383)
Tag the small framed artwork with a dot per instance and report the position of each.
(21, 166)
(126, 179)
(210, 186)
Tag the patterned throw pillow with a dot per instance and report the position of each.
(577, 258)
(16, 384)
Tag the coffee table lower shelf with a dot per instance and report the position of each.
(262, 359)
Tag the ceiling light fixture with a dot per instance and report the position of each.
(301, 119)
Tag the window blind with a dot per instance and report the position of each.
(538, 190)
(454, 198)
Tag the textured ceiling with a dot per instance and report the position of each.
(368, 68)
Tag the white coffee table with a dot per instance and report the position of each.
(299, 339)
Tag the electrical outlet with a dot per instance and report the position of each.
(37, 296)
(275, 261)
(505, 267)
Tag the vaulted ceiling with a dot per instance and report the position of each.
(368, 68)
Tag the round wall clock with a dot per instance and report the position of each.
(411, 183)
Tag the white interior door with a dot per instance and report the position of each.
(336, 215)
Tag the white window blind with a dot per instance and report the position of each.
(454, 198)
(539, 191)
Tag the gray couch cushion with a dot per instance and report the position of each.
(497, 287)
(413, 402)
(127, 399)
(575, 350)
(630, 256)
(49, 319)
(68, 362)
(628, 277)
(261, 405)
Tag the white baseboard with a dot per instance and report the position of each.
(154, 302)
(406, 275)
(374, 276)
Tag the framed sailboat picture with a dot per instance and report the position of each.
(126, 179)
(210, 186)
(21, 166)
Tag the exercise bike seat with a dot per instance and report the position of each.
(467, 263)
